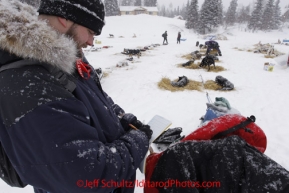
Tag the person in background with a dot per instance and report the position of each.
(165, 36)
(59, 129)
(179, 38)
(212, 45)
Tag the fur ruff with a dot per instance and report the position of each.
(22, 34)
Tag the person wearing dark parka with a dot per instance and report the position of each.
(211, 44)
(179, 38)
(165, 36)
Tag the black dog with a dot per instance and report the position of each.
(224, 83)
(197, 43)
(207, 61)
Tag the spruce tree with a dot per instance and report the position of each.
(126, 2)
(277, 15)
(243, 15)
(186, 9)
(178, 11)
(285, 16)
(170, 11)
(247, 13)
(208, 16)
(220, 12)
(137, 3)
(164, 11)
(154, 3)
(111, 8)
(189, 16)
(256, 16)
(268, 16)
(231, 13)
(239, 15)
(150, 3)
(183, 12)
(193, 15)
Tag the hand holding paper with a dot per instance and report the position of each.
(158, 125)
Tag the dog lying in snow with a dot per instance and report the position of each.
(196, 55)
(224, 83)
(188, 63)
(111, 35)
(182, 81)
(131, 52)
(207, 61)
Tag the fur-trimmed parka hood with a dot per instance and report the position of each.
(24, 35)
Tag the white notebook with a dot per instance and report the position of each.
(158, 125)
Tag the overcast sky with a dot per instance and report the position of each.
(226, 3)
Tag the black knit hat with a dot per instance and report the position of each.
(88, 13)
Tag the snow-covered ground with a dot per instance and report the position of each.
(134, 87)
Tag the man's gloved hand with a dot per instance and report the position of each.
(170, 136)
(147, 130)
(127, 119)
(137, 123)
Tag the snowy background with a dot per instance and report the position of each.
(135, 87)
(226, 3)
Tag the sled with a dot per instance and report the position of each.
(210, 37)
(281, 60)
(234, 123)
(183, 39)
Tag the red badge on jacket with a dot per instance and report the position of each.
(83, 69)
